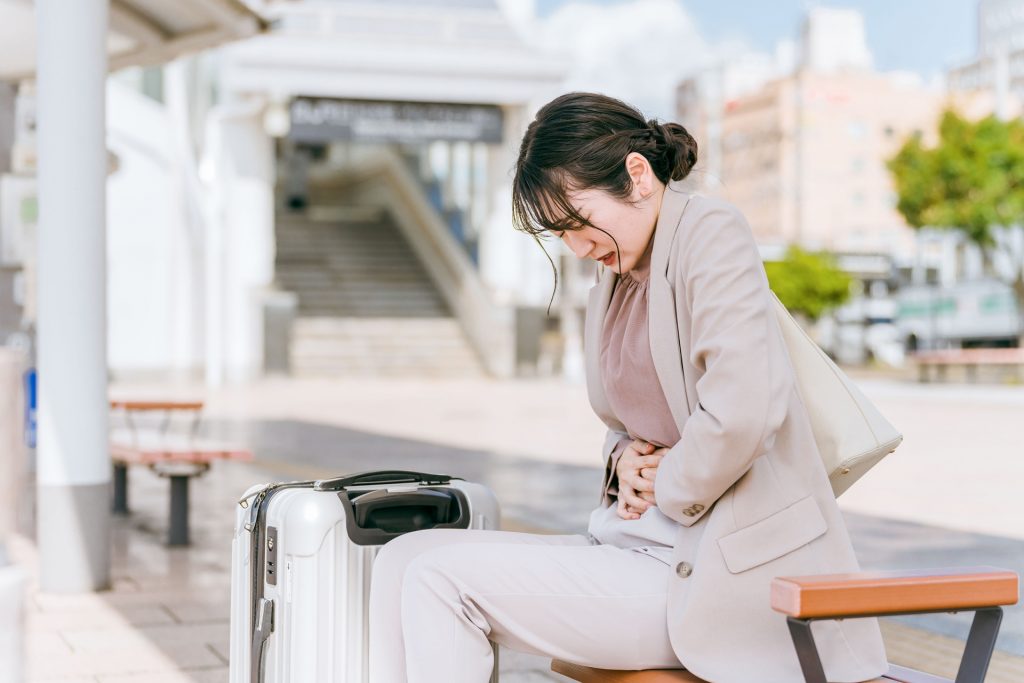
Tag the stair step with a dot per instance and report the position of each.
(366, 304)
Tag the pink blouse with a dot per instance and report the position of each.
(636, 398)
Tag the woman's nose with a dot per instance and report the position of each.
(579, 245)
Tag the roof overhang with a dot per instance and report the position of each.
(142, 32)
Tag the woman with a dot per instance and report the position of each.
(713, 483)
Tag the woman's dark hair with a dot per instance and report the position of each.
(580, 141)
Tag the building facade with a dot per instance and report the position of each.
(803, 152)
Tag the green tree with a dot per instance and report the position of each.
(808, 283)
(972, 180)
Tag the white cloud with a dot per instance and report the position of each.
(520, 13)
(637, 51)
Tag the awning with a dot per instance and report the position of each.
(142, 32)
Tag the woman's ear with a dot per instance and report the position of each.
(642, 175)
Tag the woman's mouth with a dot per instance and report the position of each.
(609, 259)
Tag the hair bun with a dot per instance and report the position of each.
(677, 148)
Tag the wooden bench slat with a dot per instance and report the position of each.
(893, 592)
(586, 674)
(146, 406)
(146, 448)
(137, 456)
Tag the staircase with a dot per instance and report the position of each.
(366, 306)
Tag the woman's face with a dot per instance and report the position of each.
(630, 222)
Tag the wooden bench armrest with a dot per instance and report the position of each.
(893, 592)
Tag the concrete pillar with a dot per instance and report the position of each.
(186, 249)
(73, 460)
(12, 478)
(573, 364)
(7, 99)
(240, 241)
(13, 453)
(502, 250)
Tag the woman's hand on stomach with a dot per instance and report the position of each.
(636, 470)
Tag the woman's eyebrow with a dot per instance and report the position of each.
(571, 223)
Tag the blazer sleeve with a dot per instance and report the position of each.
(734, 338)
(615, 443)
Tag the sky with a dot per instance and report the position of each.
(621, 40)
(926, 36)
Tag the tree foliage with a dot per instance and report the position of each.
(808, 283)
(972, 180)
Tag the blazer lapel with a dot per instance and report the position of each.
(663, 323)
(597, 306)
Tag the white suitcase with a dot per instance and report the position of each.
(302, 555)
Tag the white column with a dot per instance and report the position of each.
(503, 251)
(74, 464)
(12, 479)
(240, 241)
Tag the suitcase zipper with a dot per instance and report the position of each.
(263, 627)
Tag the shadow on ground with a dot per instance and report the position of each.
(892, 544)
(169, 608)
(560, 497)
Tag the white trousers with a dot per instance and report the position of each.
(439, 596)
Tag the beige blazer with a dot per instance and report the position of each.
(745, 481)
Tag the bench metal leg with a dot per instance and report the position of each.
(494, 671)
(178, 534)
(980, 643)
(806, 650)
(120, 489)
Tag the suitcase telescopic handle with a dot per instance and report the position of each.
(380, 477)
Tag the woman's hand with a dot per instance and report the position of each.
(636, 470)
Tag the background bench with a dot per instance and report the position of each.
(176, 455)
(936, 362)
(982, 590)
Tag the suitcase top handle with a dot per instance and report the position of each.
(380, 477)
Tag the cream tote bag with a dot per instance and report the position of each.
(851, 434)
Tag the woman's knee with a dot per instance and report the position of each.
(434, 570)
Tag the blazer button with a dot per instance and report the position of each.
(684, 569)
(689, 512)
(698, 508)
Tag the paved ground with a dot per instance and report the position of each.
(166, 618)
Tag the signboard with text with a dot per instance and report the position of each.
(321, 120)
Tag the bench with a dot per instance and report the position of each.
(970, 359)
(982, 590)
(178, 457)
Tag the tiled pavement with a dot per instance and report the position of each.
(166, 618)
